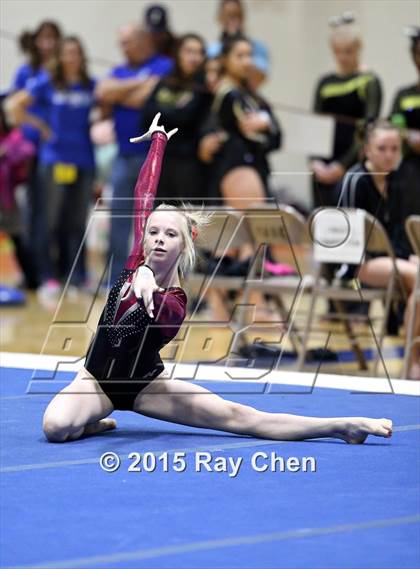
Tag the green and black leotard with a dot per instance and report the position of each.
(357, 96)
(406, 113)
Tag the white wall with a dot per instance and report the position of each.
(294, 30)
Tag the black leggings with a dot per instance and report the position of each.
(26, 261)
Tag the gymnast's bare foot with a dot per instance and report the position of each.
(100, 426)
(355, 430)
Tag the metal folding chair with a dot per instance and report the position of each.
(275, 225)
(226, 230)
(376, 241)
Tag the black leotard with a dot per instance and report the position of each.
(183, 104)
(230, 103)
(359, 191)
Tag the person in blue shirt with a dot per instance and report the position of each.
(40, 48)
(231, 17)
(66, 158)
(126, 90)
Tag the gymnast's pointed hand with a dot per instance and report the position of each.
(144, 285)
(154, 127)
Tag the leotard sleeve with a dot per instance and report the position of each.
(170, 310)
(144, 195)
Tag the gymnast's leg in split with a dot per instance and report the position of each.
(186, 403)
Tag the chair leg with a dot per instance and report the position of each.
(388, 301)
(307, 330)
(357, 350)
(408, 346)
(294, 334)
(239, 339)
(410, 329)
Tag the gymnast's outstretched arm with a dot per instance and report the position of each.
(144, 195)
(146, 186)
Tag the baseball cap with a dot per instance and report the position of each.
(156, 18)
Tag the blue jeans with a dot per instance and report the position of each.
(123, 180)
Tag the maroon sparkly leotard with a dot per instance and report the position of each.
(124, 353)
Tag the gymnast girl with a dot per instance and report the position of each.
(378, 186)
(143, 312)
(351, 91)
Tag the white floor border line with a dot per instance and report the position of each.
(206, 372)
(213, 544)
(210, 448)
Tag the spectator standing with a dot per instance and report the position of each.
(156, 21)
(66, 159)
(251, 131)
(41, 49)
(406, 114)
(231, 18)
(352, 93)
(16, 153)
(125, 91)
(183, 100)
(241, 168)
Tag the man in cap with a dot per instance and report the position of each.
(125, 91)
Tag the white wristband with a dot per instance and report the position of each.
(145, 270)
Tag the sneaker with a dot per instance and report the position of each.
(10, 296)
(51, 287)
(279, 269)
